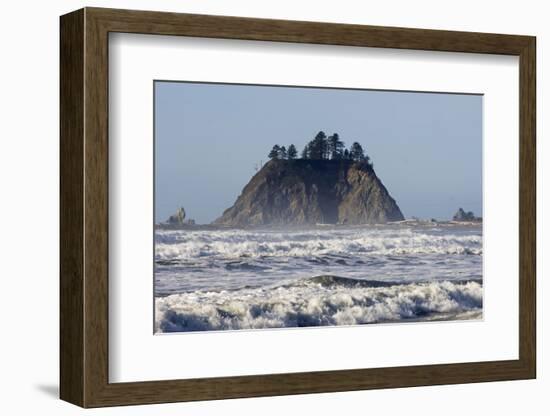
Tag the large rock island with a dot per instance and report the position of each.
(308, 192)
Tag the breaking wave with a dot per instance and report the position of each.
(319, 301)
(183, 246)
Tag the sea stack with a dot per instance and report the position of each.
(309, 192)
(463, 216)
(178, 218)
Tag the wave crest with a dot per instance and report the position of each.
(320, 301)
(172, 245)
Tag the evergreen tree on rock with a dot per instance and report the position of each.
(275, 152)
(292, 153)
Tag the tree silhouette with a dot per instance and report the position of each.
(275, 151)
(335, 146)
(292, 152)
(305, 152)
(322, 148)
(356, 152)
(318, 146)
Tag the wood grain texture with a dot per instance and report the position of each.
(178, 24)
(527, 208)
(71, 185)
(96, 208)
(84, 207)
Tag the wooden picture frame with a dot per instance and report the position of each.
(84, 207)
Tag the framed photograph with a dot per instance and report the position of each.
(255, 207)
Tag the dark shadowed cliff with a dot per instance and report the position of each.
(306, 192)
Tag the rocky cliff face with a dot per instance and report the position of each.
(306, 192)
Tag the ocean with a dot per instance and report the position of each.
(210, 280)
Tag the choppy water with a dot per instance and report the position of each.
(245, 279)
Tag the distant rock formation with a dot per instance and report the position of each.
(178, 218)
(308, 192)
(463, 216)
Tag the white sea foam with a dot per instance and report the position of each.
(318, 302)
(214, 260)
(234, 244)
(246, 279)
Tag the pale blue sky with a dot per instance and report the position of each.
(426, 147)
